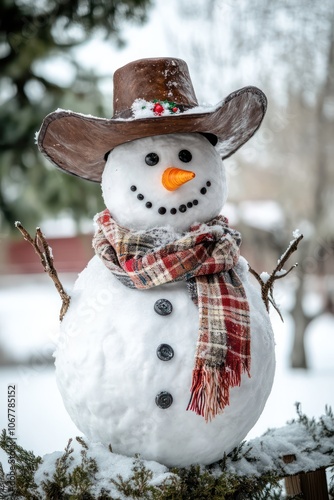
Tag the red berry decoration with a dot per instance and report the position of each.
(158, 109)
(175, 109)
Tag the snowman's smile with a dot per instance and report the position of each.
(173, 179)
(173, 210)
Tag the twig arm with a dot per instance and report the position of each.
(43, 250)
(267, 283)
(288, 252)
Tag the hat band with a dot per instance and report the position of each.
(144, 109)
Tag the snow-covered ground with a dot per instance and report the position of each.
(29, 307)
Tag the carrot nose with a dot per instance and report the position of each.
(173, 178)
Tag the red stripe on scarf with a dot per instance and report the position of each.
(207, 255)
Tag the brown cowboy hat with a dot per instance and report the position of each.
(151, 97)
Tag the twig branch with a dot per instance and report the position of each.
(267, 283)
(44, 251)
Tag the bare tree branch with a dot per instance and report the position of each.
(44, 251)
(267, 283)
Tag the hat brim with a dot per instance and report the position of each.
(78, 143)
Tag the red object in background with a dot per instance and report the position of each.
(69, 254)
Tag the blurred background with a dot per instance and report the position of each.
(60, 54)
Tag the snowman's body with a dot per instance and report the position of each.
(120, 348)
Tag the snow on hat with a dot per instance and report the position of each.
(151, 97)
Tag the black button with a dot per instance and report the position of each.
(165, 352)
(164, 400)
(163, 307)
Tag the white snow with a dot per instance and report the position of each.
(110, 465)
(145, 109)
(85, 115)
(42, 422)
(109, 380)
(264, 276)
(282, 272)
(29, 310)
(266, 452)
(257, 456)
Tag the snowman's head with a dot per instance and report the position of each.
(174, 179)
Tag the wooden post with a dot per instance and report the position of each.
(311, 485)
(292, 483)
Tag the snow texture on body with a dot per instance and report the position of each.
(109, 374)
(107, 367)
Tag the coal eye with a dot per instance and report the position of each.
(151, 159)
(185, 155)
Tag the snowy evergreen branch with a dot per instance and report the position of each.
(252, 471)
(267, 280)
(44, 251)
(26, 464)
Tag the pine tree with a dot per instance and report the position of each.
(31, 33)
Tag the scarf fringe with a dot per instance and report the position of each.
(205, 257)
(210, 390)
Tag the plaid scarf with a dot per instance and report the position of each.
(204, 257)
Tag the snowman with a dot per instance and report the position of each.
(166, 349)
